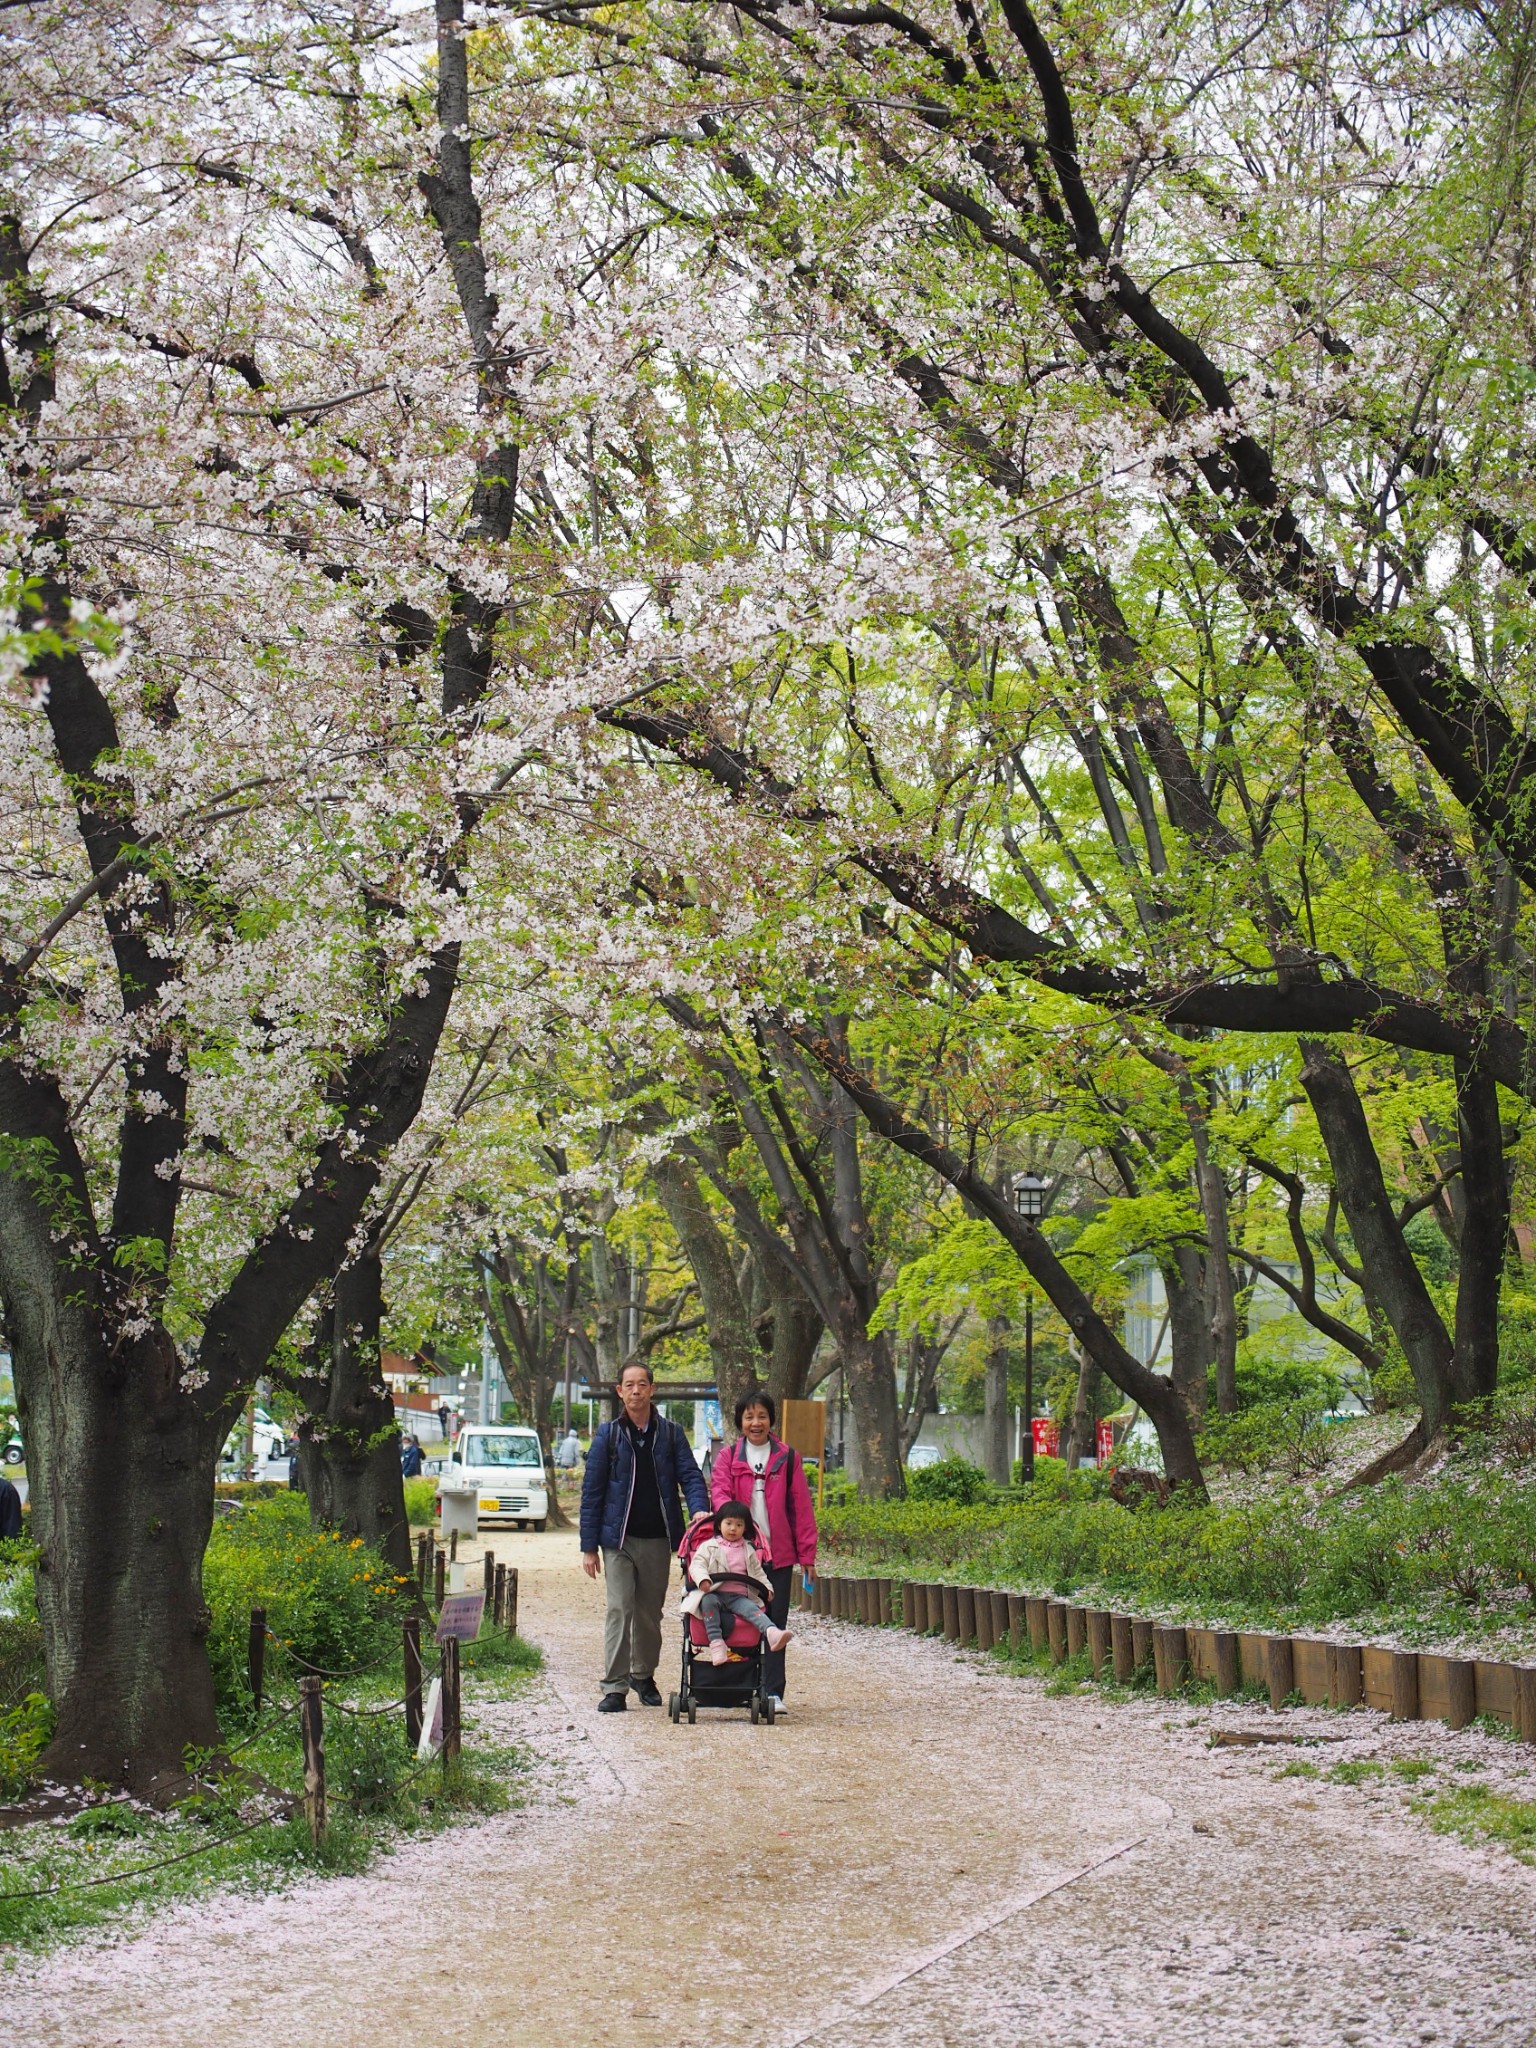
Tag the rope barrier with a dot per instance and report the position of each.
(86, 1884)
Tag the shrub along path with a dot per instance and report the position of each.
(929, 1850)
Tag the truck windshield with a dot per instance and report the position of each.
(501, 1450)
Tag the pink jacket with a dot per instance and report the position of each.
(791, 1517)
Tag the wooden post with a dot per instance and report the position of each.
(908, 1604)
(499, 1600)
(410, 1630)
(949, 1606)
(1018, 1623)
(1077, 1631)
(1098, 1640)
(1056, 1630)
(489, 1617)
(1122, 1648)
(1279, 1669)
(256, 1655)
(423, 1553)
(1346, 1675)
(984, 1619)
(440, 1576)
(453, 1546)
(1141, 1644)
(1227, 1662)
(1405, 1685)
(1462, 1674)
(1170, 1656)
(453, 1726)
(312, 1729)
(1039, 1624)
(509, 1611)
(965, 1614)
(1002, 1623)
(1524, 1676)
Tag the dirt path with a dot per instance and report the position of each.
(927, 1852)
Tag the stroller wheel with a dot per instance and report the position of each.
(757, 1710)
(693, 1710)
(768, 1711)
(673, 1708)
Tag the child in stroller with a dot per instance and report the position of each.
(724, 1617)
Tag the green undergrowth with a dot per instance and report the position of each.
(329, 1603)
(1451, 1557)
(1477, 1814)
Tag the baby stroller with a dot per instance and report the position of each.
(736, 1684)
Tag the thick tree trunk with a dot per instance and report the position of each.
(732, 1348)
(122, 1472)
(1085, 1403)
(995, 1460)
(349, 1440)
(871, 1381)
(1189, 1332)
(1484, 1217)
(1379, 1243)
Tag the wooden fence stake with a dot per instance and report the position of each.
(1141, 1644)
(1462, 1674)
(1002, 1625)
(1279, 1669)
(1098, 1640)
(453, 1546)
(312, 1728)
(949, 1607)
(1224, 1642)
(1039, 1623)
(453, 1726)
(1122, 1648)
(1077, 1631)
(1170, 1657)
(410, 1630)
(1056, 1630)
(510, 1610)
(908, 1604)
(488, 1618)
(440, 1576)
(501, 1595)
(1018, 1623)
(256, 1654)
(1405, 1685)
(423, 1553)
(1346, 1675)
(965, 1614)
(982, 1602)
(1525, 1702)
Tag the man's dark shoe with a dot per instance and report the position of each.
(611, 1703)
(646, 1693)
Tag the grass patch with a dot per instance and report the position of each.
(1355, 1773)
(1475, 1814)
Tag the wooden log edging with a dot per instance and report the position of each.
(1409, 1685)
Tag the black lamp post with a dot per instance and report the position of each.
(1029, 1193)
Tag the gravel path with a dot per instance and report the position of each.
(927, 1852)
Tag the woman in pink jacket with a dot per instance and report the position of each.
(760, 1469)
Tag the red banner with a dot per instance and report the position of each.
(1105, 1441)
(1047, 1436)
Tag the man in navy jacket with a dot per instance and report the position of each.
(630, 1511)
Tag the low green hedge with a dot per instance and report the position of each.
(1461, 1547)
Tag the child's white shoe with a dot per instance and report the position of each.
(777, 1638)
(719, 1654)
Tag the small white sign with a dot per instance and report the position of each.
(431, 1722)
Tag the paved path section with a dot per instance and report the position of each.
(927, 1853)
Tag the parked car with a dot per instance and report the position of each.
(14, 1454)
(922, 1455)
(268, 1442)
(507, 1466)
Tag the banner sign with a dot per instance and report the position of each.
(1106, 1442)
(1047, 1436)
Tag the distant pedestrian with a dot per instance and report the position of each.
(631, 1513)
(410, 1458)
(10, 1512)
(567, 1452)
(444, 1412)
(295, 1477)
